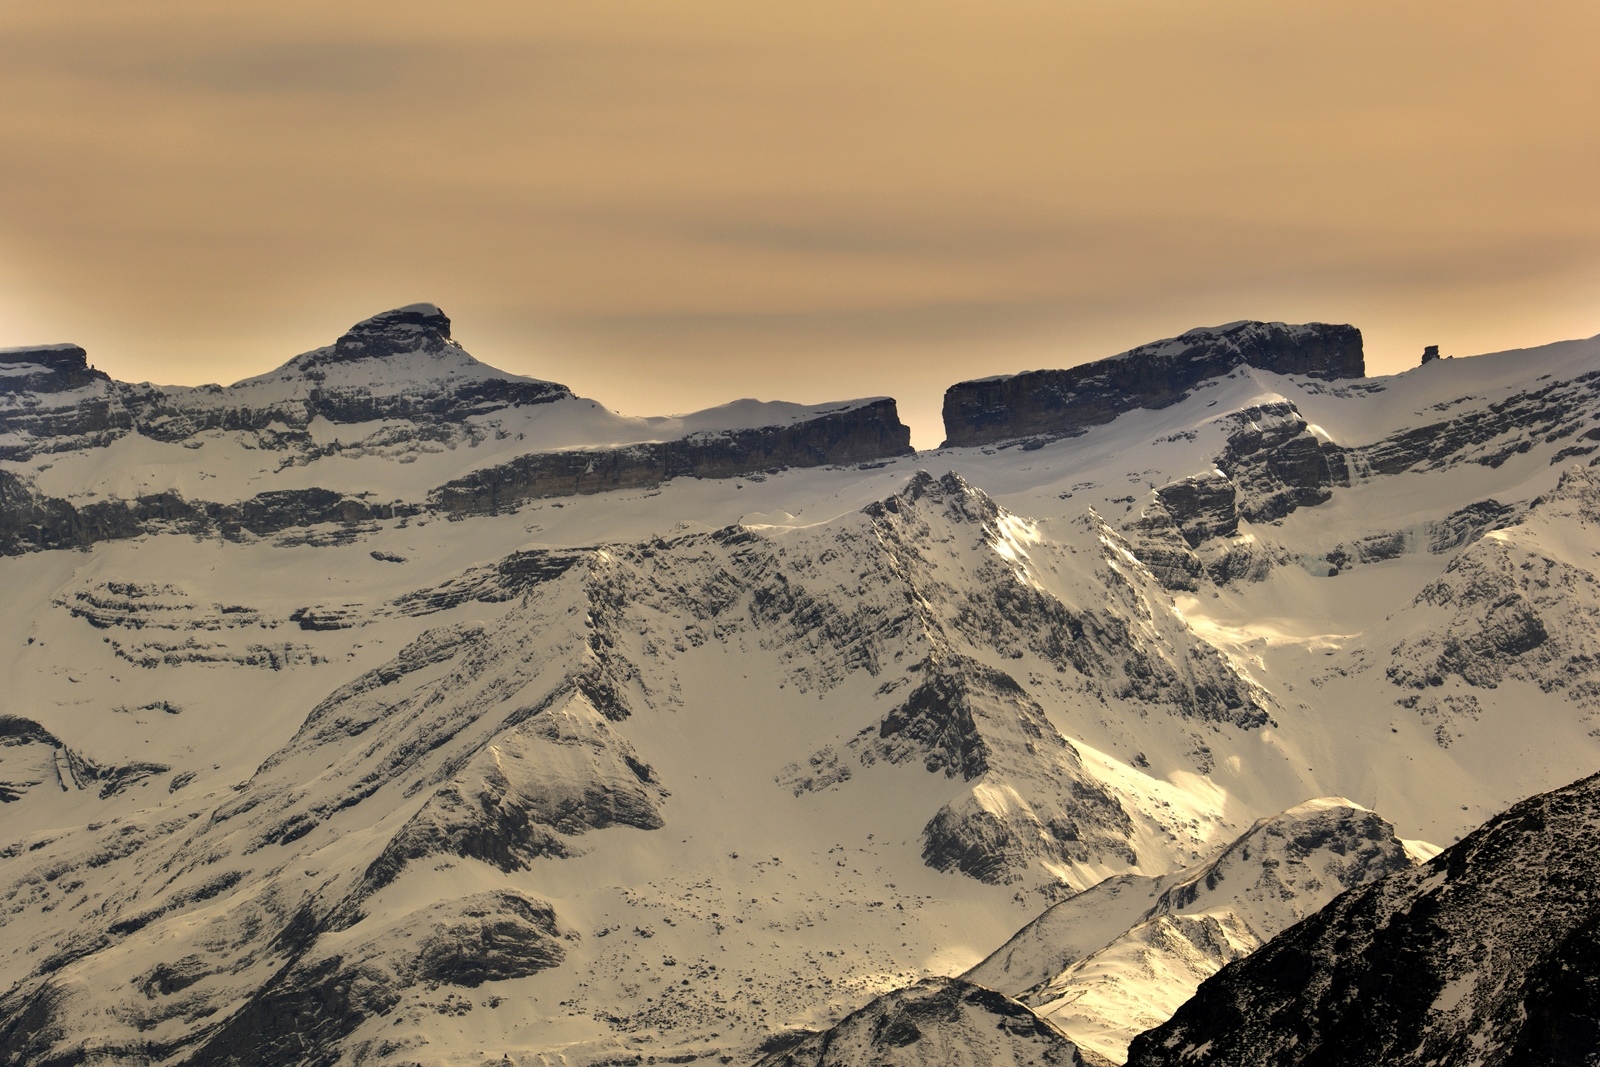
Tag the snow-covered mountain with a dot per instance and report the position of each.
(1119, 958)
(1485, 955)
(392, 418)
(435, 715)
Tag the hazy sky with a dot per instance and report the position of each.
(668, 205)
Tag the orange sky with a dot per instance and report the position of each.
(671, 205)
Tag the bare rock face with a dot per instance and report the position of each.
(46, 369)
(414, 328)
(30, 521)
(1484, 955)
(1064, 403)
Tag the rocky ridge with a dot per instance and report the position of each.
(859, 433)
(693, 764)
(513, 743)
(1485, 955)
(1120, 957)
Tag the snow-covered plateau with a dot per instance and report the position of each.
(390, 709)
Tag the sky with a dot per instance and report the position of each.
(668, 206)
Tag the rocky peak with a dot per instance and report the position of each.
(413, 328)
(1064, 403)
(961, 501)
(46, 369)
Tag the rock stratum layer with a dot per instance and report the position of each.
(1062, 403)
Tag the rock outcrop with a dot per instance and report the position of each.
(30, 521)
(46, 369)
(1063, 403)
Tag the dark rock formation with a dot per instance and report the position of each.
(936, 1022)
(1430, 354)
(855, 434)
(499, 936)
(51, 399)
(414, 328)
(1202, 507)
(1278, 464)
(299, 1017)
(1063, 403)
(46, 369)
(1484, 955)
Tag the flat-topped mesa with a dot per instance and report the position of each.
(46, 369)
(1064, 403)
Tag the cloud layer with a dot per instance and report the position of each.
(671, 205)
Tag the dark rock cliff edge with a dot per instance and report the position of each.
(1063, 403)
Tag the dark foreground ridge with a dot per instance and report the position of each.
(1489, 954)
(1063, 403)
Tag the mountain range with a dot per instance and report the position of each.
(387, 708)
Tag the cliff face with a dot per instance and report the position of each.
(1063, 403)
(46, 369)
(853, 435)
